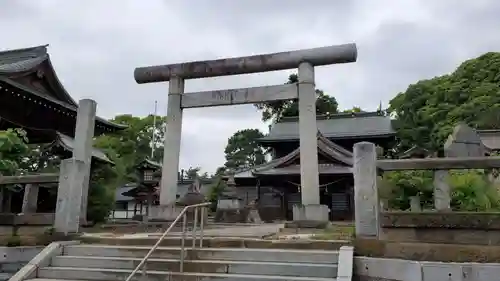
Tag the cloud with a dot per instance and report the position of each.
(95, 46)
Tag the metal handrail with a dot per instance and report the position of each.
(183, 215)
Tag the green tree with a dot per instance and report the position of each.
(103, 182)
(13, 150)
(132, 145)
(276, 110)
(427, 111)
(354, 109)
(243, 150)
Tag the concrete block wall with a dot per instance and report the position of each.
(381, 269)
(13, 259)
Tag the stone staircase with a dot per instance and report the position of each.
(116, 262)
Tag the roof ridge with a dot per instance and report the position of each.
(41, 49)
(341, 115)
(335, 152)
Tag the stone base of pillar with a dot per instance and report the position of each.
(312, 214)
(164, 212)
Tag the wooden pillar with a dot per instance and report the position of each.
(8, 201)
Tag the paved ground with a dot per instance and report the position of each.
(248, 231)
(256, 231)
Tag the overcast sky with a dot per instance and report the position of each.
(95, 46)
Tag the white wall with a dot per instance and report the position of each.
(381, 269)
(129, 213)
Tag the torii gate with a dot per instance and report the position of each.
(304, 90)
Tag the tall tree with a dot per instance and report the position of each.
(427, 111)
(243, 149)
(132, 145)
(276, 110)
(354, 109)
(13, 151)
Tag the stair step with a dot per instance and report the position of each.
(215, 242)
(101, 274)
(235, 254)
(202, 266)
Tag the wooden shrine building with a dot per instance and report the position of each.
(277, 183)
(32, 98)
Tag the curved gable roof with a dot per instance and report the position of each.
(28, 60)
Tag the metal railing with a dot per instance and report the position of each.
(194, 233)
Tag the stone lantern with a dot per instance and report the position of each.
(230, 206)
(147, 171)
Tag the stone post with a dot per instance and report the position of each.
(366, 203)
(69, 196)
(415, 205)
(30, 198)
(462, 142)
(168, 187)
(82, 150)
(310, 209)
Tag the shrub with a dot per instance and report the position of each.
(471, 190)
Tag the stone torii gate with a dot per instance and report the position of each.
(305, 60)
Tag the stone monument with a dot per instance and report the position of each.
(192, 197)
(230, 206)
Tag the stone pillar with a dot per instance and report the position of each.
(366, 203)
(442, 192)
(171, 153)
(415, 205)
(30, 198)
(309, 179)
(310, 209)
(462, 142)
(69, 196)
(82, 150)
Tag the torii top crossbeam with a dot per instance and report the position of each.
(251, 64)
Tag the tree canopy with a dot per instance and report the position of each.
(132, 145)
(276, 110)
(427, 111)
(13, 150)
(243, 150)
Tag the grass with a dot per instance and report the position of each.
(335, 232)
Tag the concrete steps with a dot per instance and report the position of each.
(101, 274)
(225, 242)
(102, 262)
(276, 255)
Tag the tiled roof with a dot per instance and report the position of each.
(490, 139)
(21, 60)
(119, 192)
(327, 169)
(68, 144)
(365, 124)
(341, 161)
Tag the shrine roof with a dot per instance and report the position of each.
(339, 126)
(490, 138)
(341, 159)
(68, 144)
(146, 163)
(124, 189)
(20, 62)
